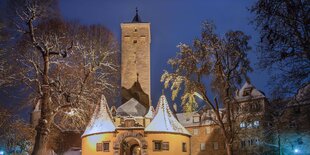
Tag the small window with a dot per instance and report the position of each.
(196, 119)
(242, 125)
(256, 124)
(208, 130)
(202, 146)
(165, 146)
(250, 125)
(106, 146)
(196, 131)
(99, 147)
(242, 144)
(184, 147)
(247, 92)
(135, 41)
(157, 145)
(292, 124)
(215, 145)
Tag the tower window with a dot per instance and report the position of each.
(184, 147)
(165, 146)
(157, 145)
(136, 30)
(99, 147)
(135, 41)
(106, 146)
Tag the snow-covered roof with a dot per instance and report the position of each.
(150, 113)
(205, 118)
(164, 120)
(101, 120)
(248, 91)
(131, 108)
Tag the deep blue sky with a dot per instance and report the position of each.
(172, 22)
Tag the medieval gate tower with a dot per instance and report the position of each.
(135, 65)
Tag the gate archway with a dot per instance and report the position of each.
(130, 143)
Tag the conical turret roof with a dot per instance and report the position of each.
(164, 120)
(101, 120)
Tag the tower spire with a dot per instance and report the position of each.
(136, 18)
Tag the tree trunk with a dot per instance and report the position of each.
(229, 148)
(43, 128)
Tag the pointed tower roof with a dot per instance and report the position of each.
(150, 113)
(136, 18)
(164, 120)
(101, 120)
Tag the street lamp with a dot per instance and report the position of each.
(296, 151)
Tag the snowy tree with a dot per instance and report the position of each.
(285, 44)
(65, 66)
(224, 61)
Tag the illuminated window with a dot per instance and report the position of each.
(184, 147)
(250, 125)
(215, 145)
(196, 131)
(165, 146)
(99, 147)
(202, 146)
(106, 146)
(157, 145)
(256, 124)
(242, 125)
(196, 119)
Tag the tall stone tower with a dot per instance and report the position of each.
(135, 66)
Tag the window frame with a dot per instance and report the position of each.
(184, 149)
(104, 143)
(165, 146)
(202, 146)
(157, 142)
(99, 147)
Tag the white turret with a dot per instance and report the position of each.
(101, 121)
(164, 120)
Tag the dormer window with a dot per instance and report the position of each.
(247, 91)
(196, 119)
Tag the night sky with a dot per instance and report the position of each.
(172, 22)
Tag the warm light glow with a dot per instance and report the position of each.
(71, 112)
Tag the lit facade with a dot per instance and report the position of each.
(135, 127)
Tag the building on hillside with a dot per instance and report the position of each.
(135, 128)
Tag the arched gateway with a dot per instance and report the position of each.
(130, 143)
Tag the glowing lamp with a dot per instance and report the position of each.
(296, 150)
(1, 152)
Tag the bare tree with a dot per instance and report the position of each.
(284, 45)
(224, 60)
(66, 66)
